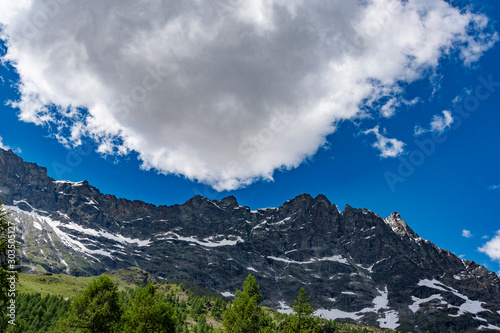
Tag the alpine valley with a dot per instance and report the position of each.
(355, 264)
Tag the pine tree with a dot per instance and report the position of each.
(97, 309)
(149, 313)
(246, 315)
(218, 308)
(196, 308)
(302, 320)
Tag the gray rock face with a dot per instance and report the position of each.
(355, 264)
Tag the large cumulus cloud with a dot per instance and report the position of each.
(223, 92)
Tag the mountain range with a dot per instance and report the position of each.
(355, 264)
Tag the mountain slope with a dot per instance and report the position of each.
(353, 263)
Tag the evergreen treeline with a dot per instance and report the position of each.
(165, 308)
(37, 313)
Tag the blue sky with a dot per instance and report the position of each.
(420, 139)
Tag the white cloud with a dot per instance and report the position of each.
(459, 98)
(438, 124)
(492, 247)
(466, 233)
(388, 109)
(495, 187)
(6, 147)
(224, 92)
(2, 145)
(388, 147)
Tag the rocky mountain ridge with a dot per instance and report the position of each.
(355, 264)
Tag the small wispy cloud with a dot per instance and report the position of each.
(389, 108)
(492, 247)
(459, 98)
(6, 147)
(466, 233)
(495, 187)
(389, 147)
(438, 124)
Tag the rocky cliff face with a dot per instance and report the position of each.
(355, 264)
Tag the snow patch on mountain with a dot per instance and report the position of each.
(418, 301)
(283, 308)
(387, 319)
(65, 264)
(207, 242)
(74, 184)
(51, 225)
(282, 221)
(381, 302)
(489, 327)
(434, 284)
(333, 314)
(16, 202)
(105, 234)
(390, 320)
(369, 269)
(336, 258)
(469, 306)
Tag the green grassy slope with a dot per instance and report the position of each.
(71, 286)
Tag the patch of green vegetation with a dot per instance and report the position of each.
(130, 278)
(63, 285)
(40, 268)
(70, 286)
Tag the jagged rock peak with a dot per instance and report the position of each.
(228, 202)
(399, 226)
(197, 199)
(9, 152)
(322, 198)
(12, 163)
(305, 201)
(303, 197)
(306, 198)
(348, 208)
(300, 201)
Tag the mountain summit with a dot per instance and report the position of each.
(355, 264)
